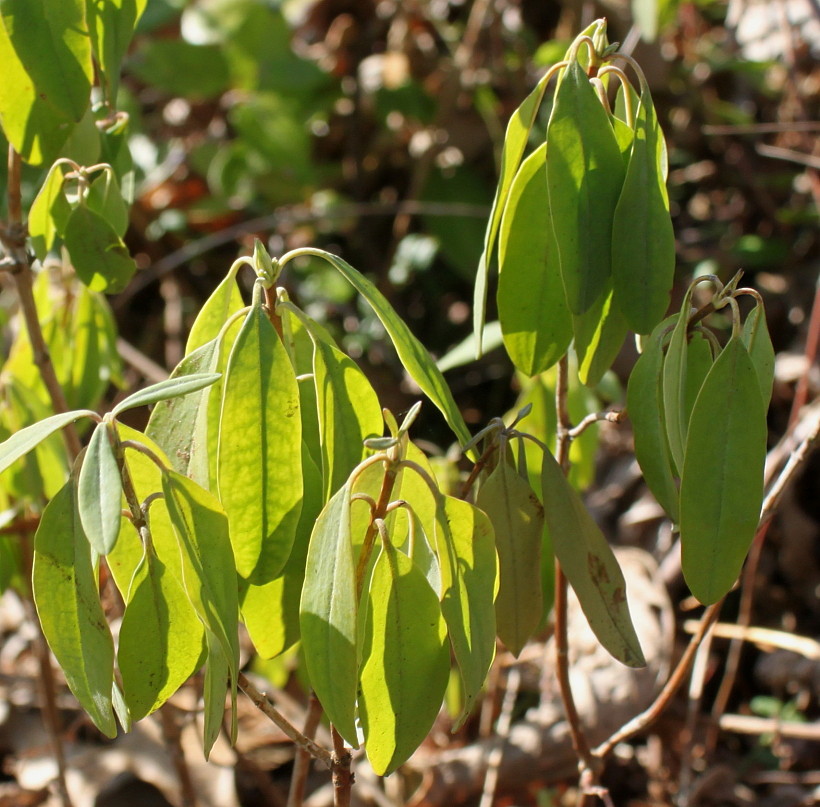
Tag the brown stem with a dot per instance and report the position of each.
(590, 766)
(261, 702)
(301, 765)
(341, 771)
(172, 735)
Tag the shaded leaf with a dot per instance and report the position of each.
(23, 441)
(99, 491)
(162, 390)
(759, 344)
(49, 212)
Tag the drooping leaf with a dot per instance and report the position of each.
(465, 547)
(111, 24)
(518, 522)
(643, 242)
(49, 212)
(35, 127)
(270, 611)
(515, 143)
(99, 492)
(722, 482)
(208, 569)
(406, 661)
(644, 403)
(584, 180)
(699, 360)
(218, 671)
(163, 390)
(23, 441)
(105, 197)
(179, 425)
(99, 256)
(599, 336)
(160, 640)
(225, 300)
(51, 41)
(259, 461)
(590, 565)
(532, 308)
(759, 344)
(415, 358)
(68, 605)
(328, 615)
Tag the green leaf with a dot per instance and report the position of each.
(218, 675)
(111, 24)
(464, 352)
(105, 197)
(270, 611)
(65, 591)
(415, 358)
(49, 212)
(99, 491)
(23, 441)
(759, 344)
(180, 425)
(406, 661)
(699, 360)
(99, 256)
(208, 568)
(590, 565)
(644, 403)
(163, 390)
(51, 40)
(465, 547)
(532, 308)
(328, 615)
(584, 180)
(722, 482)
(35, 127)
(224, 301)
(160, 640)
(518, 522)
(515, 143)
(259, 461)
(599, 336)
(643, 241)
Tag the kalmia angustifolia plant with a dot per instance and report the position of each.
(264, 488)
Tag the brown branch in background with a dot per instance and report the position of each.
(341, 772)
(172, 734)
(261, 702)
(301, 765)
(502, 732)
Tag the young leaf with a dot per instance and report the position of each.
(465, 547)
(224, 301)
(49, 212)
(590, 565)
(584, 179)
(643, 242)
(51, 41)
(68, 604)
(160, 640)
(99, 256)
(23, 441)
(406, 661)
(99, 492)
(759, 344)
(645, 407)
(327, 615)
(535, 320)
(722, 482)
(259, 460)
(518, 522)
(515, 143)
(415, 358)
(163, 390)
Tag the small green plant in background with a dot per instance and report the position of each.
(270, 487)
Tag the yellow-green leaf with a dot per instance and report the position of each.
(49, 212)
(224, 301)
(100, 491)
(761, 352)
(406, 661)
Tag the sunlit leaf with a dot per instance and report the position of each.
(99, 492)
(49, 212)
(163, 390)
(224, 301)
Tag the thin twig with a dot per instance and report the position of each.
(593, 418)
(172, 735)
(342, 775)
(749, 724)
(301, 765)
(261, 702)
(502, 731)
(763, 638)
